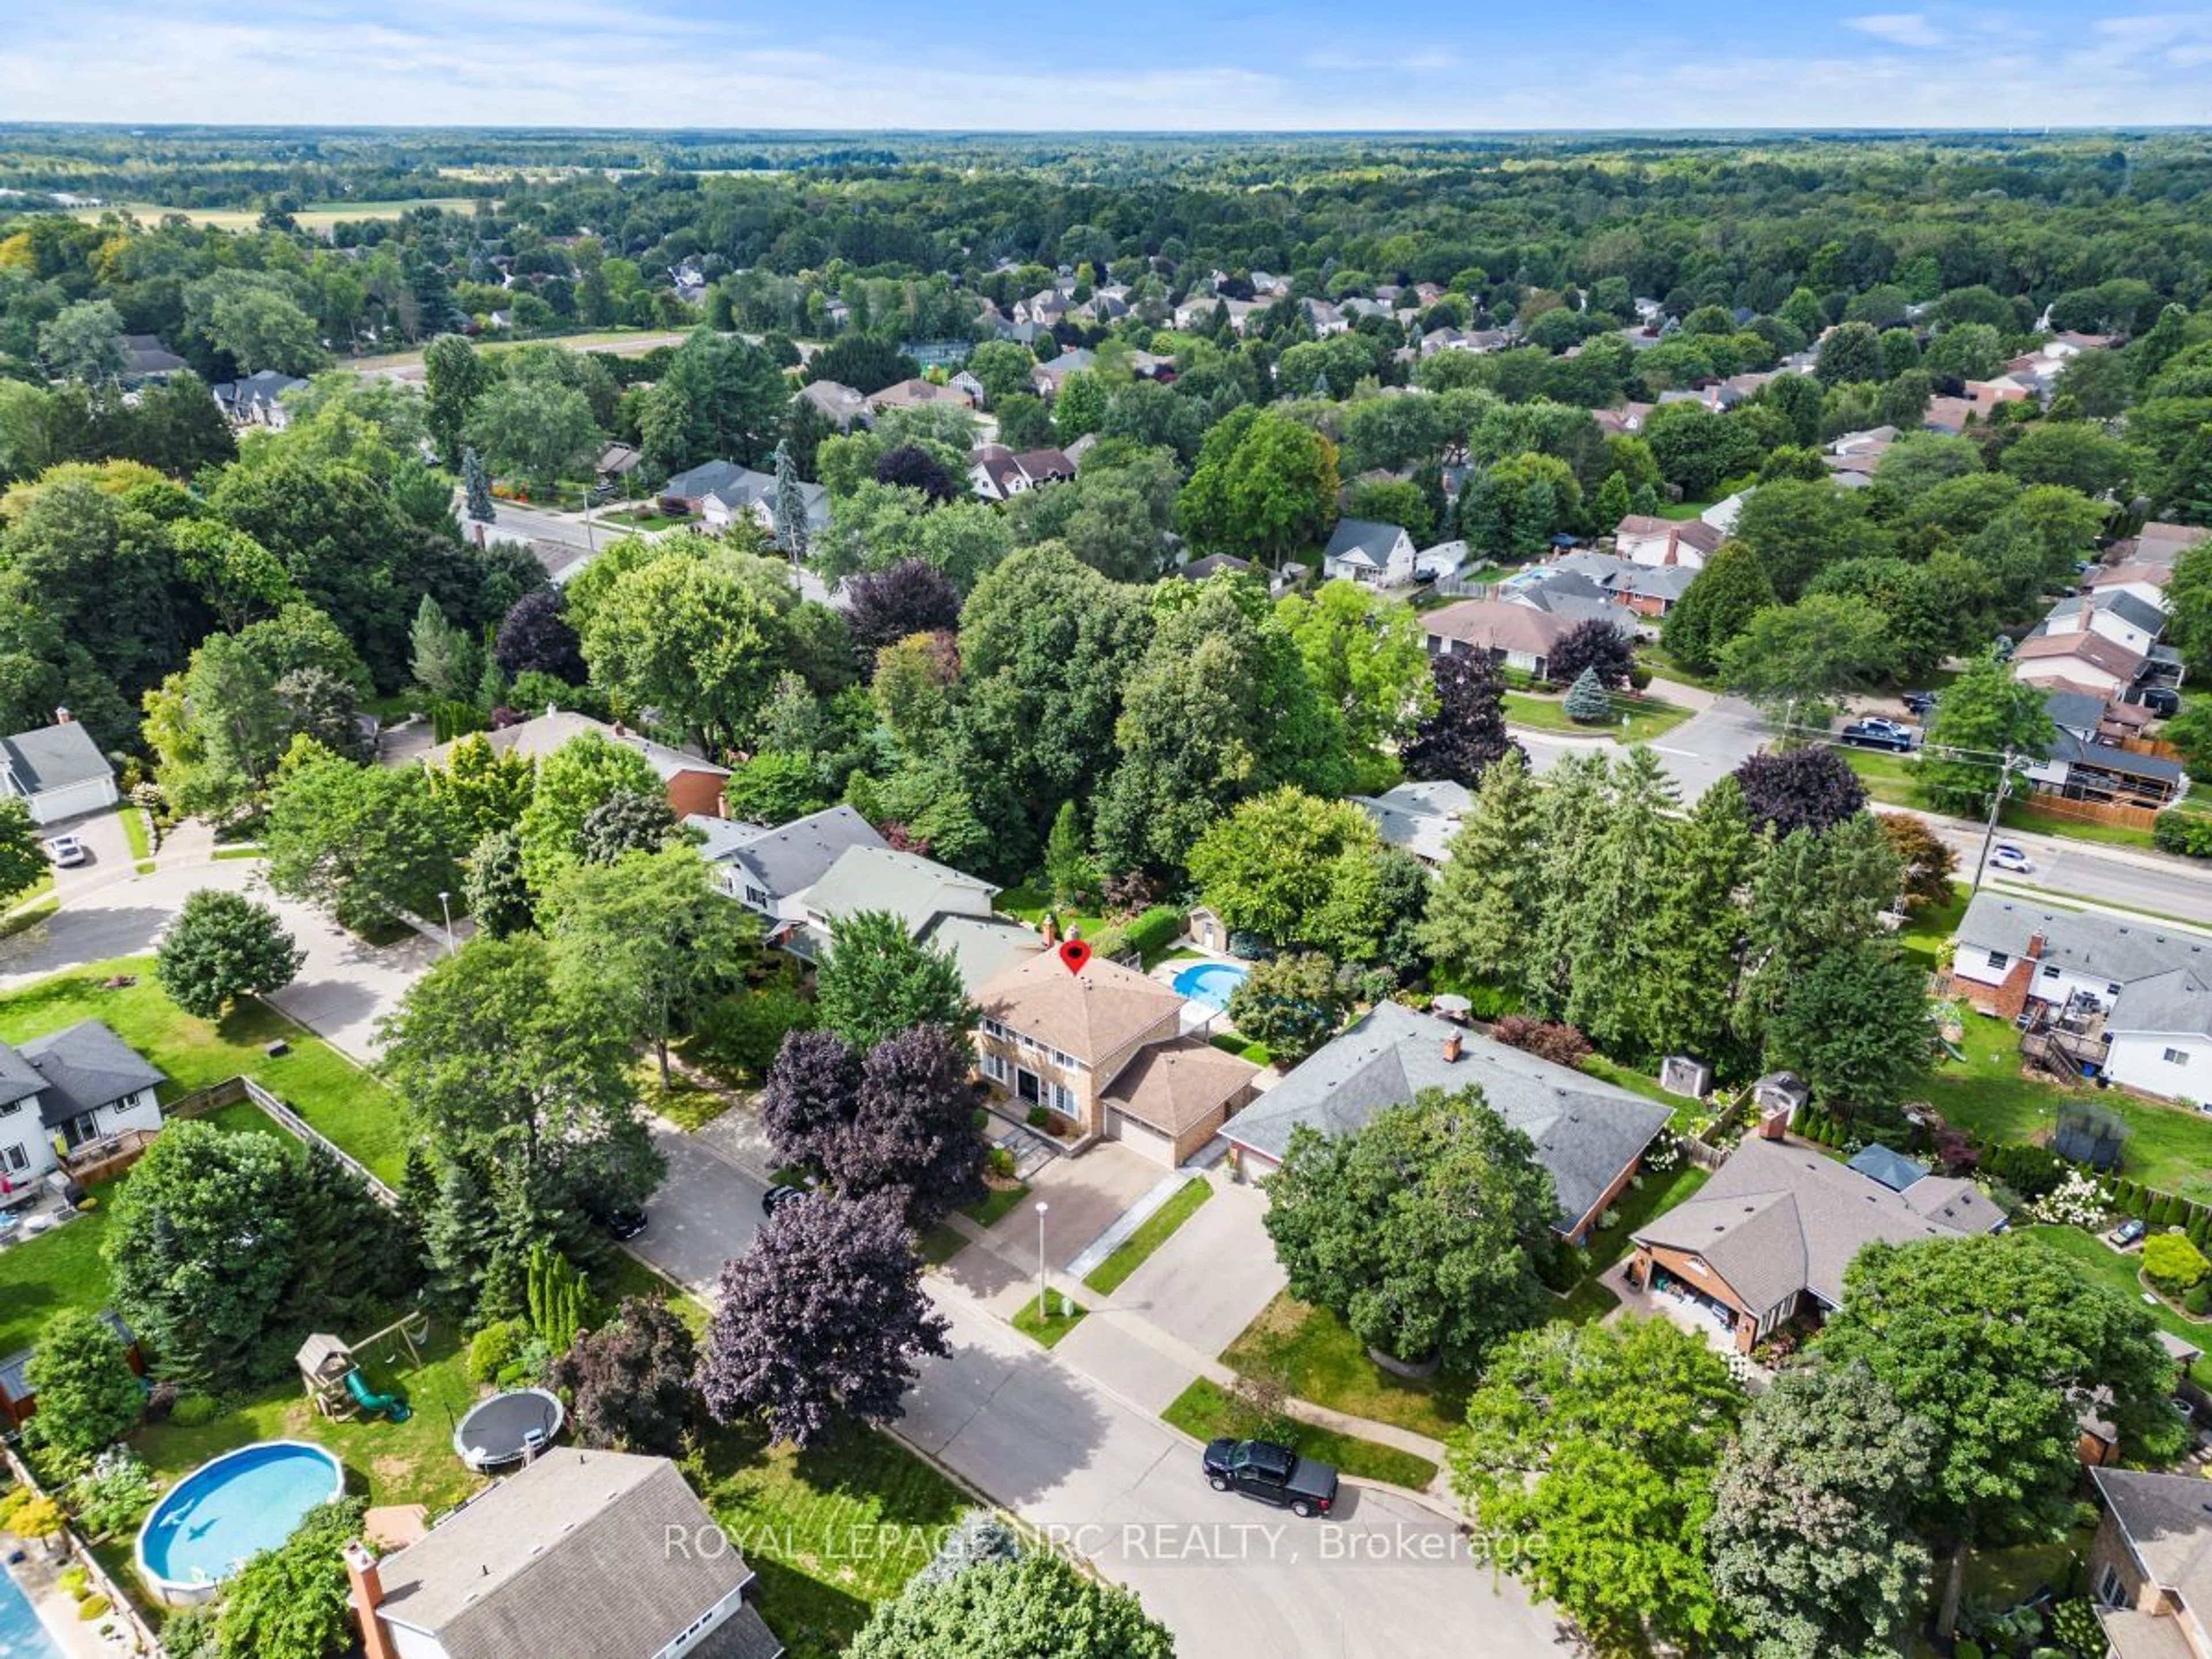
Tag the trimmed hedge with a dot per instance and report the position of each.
(1154, 930)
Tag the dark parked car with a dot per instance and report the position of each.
(1273, 1475)
(622, 1225)
(2162, 701)
(1878, 734)
(2129, 1232)
(1921, 703)
(782, 1193)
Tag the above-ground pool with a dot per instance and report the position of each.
(1209, 982)
(507, 1427)
(206, 1525)
(22, 1635)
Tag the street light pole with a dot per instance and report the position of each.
(1041, 1286)
(446, 904)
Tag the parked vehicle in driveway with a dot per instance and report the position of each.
(2006, 856)
(67, 851)
(623, 1225)
(1921, 703)
(1877, 734)
(2129, 1231)
(783, 1192)
(1271, 1474)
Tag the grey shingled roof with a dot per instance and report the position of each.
(719, 837)
(1776, 1219)
(570, 1555)
(86, 1066)
(2110, 757)
(18, 1079)
(981, 946)
(697, 483)
(2126, 606)
(1362, 535)
(2165, 979)
(914, 889)
(54, 758)
(2167, 1525)
(1586, 1131)
(1421, 818)
(792, 858)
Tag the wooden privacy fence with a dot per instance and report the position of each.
(121, 1610)
(231, 1090)
(2090, 812)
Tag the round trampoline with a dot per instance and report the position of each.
(507, 1428)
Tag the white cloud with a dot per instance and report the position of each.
(1899, 28)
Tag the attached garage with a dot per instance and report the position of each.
(57, 771)
(1174, 1097)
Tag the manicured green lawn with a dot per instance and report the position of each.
(1686, 1112)
(1233, 1042)
(684, 1102)
(832, 1531)
(1887, 777)
(1638, 1206)
(1927, 938)
(1647, 718)
(642, 518)
(1046, 1331)
(329, 1090)
(1667, 666)
(133, 819)
(2120, 1272)
(1320, 1361)
(2028, 819)
(1205, 1410)
(1990, 1094)
(944, 1240)
(1132, 1252)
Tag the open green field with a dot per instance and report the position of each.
(319, 216)
(329, 1090)
(1646, 719)
(1204, 1409)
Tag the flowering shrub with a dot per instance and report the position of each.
(1664, 1154)
(2078, 1200)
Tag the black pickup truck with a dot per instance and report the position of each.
(1272, 1473)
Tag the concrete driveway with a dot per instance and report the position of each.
(1109, 1482)
(1213, 1275)
(108, 849)
(1082, 1195)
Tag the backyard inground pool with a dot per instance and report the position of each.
(1209, 982)
(210, 1523)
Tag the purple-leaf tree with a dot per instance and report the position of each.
(915, 1128)
(822, 1321)
(909, 466)
(911, 597)
(534, 636)
(1809, 788)
(1468, 731)
(1595, 644)
(630, 1383)
(812, 1090)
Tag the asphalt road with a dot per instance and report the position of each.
(1718, 740)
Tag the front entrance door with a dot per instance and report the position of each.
(1028, 1086)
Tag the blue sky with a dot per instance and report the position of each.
(1135, 65)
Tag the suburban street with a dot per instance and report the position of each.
(1717, 740)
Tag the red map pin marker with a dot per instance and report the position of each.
(1075, 953)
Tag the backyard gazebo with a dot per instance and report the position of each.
(323, 1361)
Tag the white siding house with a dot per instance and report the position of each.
(57, 771)
(1371, 554)
(73, 1088)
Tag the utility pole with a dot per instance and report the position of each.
(1990, 829)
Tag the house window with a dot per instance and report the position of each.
(2177, 1057)
(12, 1106)
(995, 1067)
(1997, 958)
(1062, 1102)
(1058, 1058)
(2050, 970)
(2111, 1588)
(755, 896)
(18, 1160)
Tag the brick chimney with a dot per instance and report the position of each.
(1048, 929)
(1772, 1123)
(1451, 1048)
(62, 717)
(2012, 994)
(365, 1590)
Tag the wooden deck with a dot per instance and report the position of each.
(100, 1160)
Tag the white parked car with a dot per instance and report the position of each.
(2006, 856)
(67, 851)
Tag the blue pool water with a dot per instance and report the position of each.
(1209, 982)
(224, 1511)
(22, 1635)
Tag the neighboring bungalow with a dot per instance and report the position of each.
(1852, 457)
(1949, 415)
(2121, 617)
(1108, 1052)
(257, 399)
(2146, 582)
(1624, 420)
(57, 771)
(1686, 542)
(2150, 1565)
(720, 493)
(938, 905)
(839, 404)
(19, 1400)
(82, 1086)
(1370, 553)
(1590, 1134)
(1767, 1239)
(2157, 543)
(2084, 661)
(147, 357)
(1197, 570)
(916, 394)
(998, 474)
(693, 783)
(2007, 388)
(1421, 818)
(766, 869)
(1047, 376)
(582, 1552)
(616, 463)
(1518, 636)
(2122, 998)
(2086, 762)
(1649, 591)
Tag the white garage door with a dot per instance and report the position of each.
(1146, 1138)
(52, 805)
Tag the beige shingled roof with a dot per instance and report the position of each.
(1496, 625)
(1176, 1086)
(568, 1556)
(1091, 1015)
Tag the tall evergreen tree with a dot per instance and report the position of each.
(1483, 909)
(476, 485)
(1571, 813)
(1610, 922)
(790, 505)
(1700, 953)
